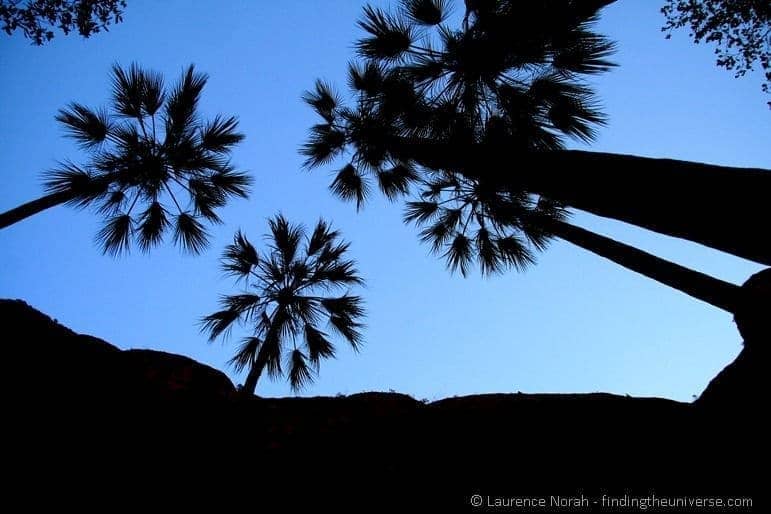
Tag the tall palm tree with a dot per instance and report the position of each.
(485, 87)
(155, 166)
(497, 97)
(288, 294)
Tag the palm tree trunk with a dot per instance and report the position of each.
(718, 206)
(28, 209)
(253, 377)
(723, 295)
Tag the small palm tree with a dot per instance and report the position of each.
(287, 297)
(154, 166)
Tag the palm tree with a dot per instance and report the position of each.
(155, 166)
(466, 222)
(506, 88)
(287, 296)
(473, 94)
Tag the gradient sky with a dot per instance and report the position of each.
(573, 323)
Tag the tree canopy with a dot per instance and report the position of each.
(741, 29)
(37, 19)
(290, 291)
(512, 74)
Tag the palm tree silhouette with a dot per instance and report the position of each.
(288, 293)
(497, 98)
(154, 165)
(482, 87)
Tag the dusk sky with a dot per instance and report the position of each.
(574, 322)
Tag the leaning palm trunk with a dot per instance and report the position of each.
(250, 384)
(718, 206)
(28, 209)
(723, 295)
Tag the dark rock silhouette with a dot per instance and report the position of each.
(741, 388)
(84, 417)
(83, 368)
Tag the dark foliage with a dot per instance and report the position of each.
(155, 166)
(740, 29)
(38, 19)
(510, 75)
(287, 295)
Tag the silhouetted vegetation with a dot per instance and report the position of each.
(492, 103)
(37, 19)
(156, 167)
(287, 294)
(489, 83)
(740, 29)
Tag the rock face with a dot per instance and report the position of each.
(76, 368)
(741, 388)
(147, 425)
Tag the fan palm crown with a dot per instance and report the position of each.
(155, 166)
(300, 281)
(510, 74)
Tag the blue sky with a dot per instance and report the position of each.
(573, 323)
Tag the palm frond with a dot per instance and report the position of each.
(270, 353)
(325, 143)
(459, 254)
(396, 181)
(190, 234)
(128, 90)
(337, 274)
(425, 12)
(323, 99)
(113, 203)
(248, 306)
(115, 236)
(322, 236)
(240, 257)
(220, 135)
(367, 78)
(70, 178)
(350, 185)
(420, 212)
(182, 103)
(206, 198)
(514, 253)
(588, 54)
(89, 128)
(442, 228)
(304, 310)
(219, 323)
(153, 223)
(389, 36)
(318, 345)
(576, 119)
(349, 330)
(300, 374)
(487, 252)
(128, 141)
(154, 94)
(232, 183)
(346, 306)
(285, 238)
(246, 354)
(332, 253)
